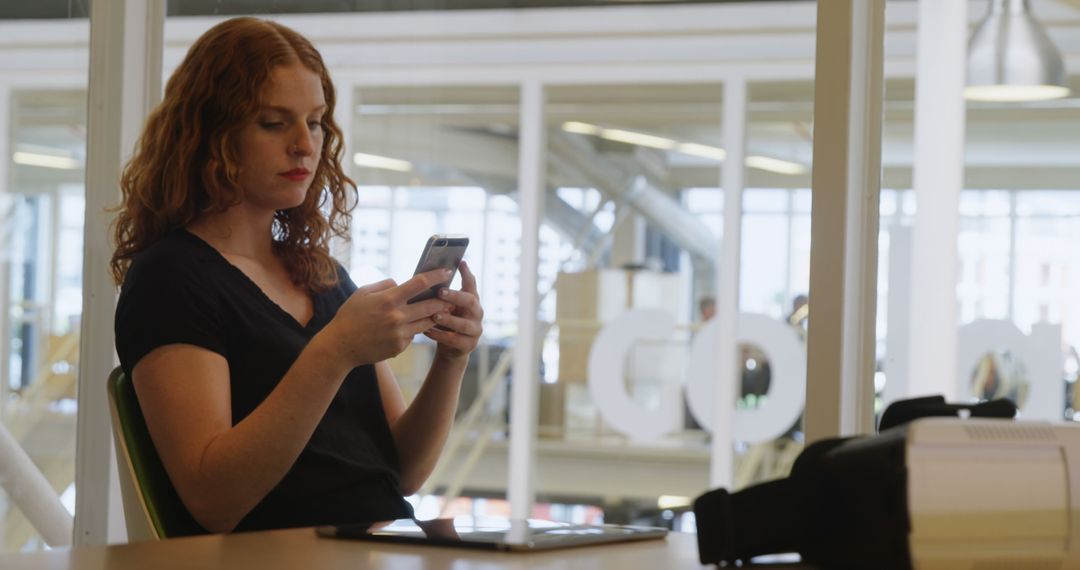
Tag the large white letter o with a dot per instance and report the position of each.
(607, 373)
(787, 386)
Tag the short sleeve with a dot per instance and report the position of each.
(163, 301)
(345, 282)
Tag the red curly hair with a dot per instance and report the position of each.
(186, 161)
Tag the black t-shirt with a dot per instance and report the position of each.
(182, 291)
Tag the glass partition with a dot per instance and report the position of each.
(41, 234)
(1014, 254)
(775, 267)
(633, 171)
(443, 160)
(633, 215)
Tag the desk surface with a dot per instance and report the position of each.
(300, 548)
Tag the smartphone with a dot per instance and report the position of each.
(440, 251)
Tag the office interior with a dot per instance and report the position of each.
(586, 148)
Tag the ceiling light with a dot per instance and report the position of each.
(383, 162)
(1014, 93)
(1010, 57)
(639, 139)
(581, 128)
(620, 135)
(702, 150)
(672, 501)
(45, 160)
(776, 165)
(694, 149)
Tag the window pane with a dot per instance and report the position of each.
(441, 160)
(42, 207)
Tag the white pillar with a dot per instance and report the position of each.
(898, 335)
(125, 82)
(6, 206)
(938, 178)
(728, 366)
(524, 391)
(844, 219)
(344, 112)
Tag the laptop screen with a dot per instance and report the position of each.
(492, 533)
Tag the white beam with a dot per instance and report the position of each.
(125, 82)
(525, 386)
(588, 73)
(552, 42)
(844, 218)
(728, 366)
(31, 492)
(545, 24)
(938, 171)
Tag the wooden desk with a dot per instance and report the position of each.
(300, 549)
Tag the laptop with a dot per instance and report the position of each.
(492, 533)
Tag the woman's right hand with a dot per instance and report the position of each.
(377, 322)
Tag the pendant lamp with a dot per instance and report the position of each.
(1010, 57)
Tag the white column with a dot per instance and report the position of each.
(125, 82)
(524, 391)
(844, 219)
(938, 177)
(343, 115)
(1013, 221)
(898, 334)
(728, 366)
(6, 205)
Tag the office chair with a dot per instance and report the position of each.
(152, 508)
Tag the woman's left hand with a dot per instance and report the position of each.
(463, 321)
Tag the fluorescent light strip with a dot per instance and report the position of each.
(383, 162)
(702, 150)
(581, 128)
(639, 139)
(45, 160)
(693, 149)
(672, 501)
(776, 165)
(620, 135)
(1014, 93)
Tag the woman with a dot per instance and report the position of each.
(259, 366)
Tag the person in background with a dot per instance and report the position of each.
(259, 365)
(756, 372)
(800, 313)
(707, 308)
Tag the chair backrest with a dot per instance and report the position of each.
(152, 508)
